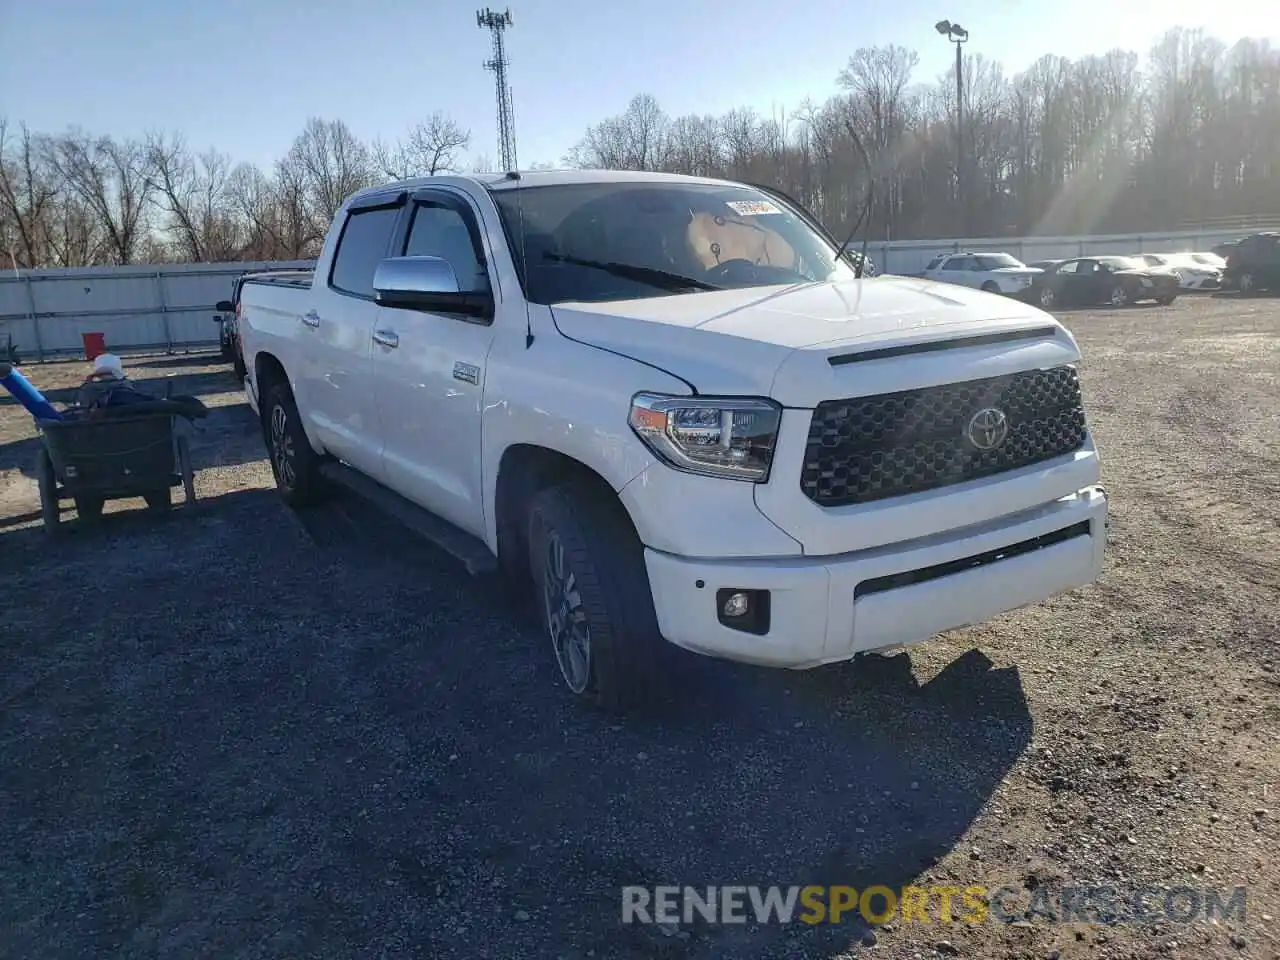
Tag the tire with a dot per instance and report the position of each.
(294, 464)
(1047, 297)
(1247, 282)
(237, 365)
(602, 571)
(991, 287)
(159, 500)
(89, 509)
(188, 474)
(1166, 301)
(1119, 296)
(47, 482)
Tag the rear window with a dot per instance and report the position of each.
(362, 246)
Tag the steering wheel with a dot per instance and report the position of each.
(725, 270)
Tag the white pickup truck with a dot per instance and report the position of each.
(670, 409)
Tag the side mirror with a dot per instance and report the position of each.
(427, 284)
(225, 306)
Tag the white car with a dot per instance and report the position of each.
(992, 272)
(663, 407)
(1194, 273)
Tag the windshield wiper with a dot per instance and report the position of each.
(659, 278)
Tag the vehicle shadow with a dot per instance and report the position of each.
(421, 731)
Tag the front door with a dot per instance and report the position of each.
(429, 373)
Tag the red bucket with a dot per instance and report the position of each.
(95, 344)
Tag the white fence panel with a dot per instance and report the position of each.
(138, 308)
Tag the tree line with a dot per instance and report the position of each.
(1094, 145)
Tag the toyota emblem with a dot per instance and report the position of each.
(988, 428)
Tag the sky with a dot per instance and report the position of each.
(243, 76)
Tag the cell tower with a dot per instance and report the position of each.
(497, 24)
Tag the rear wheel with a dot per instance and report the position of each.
(1119, 295)
(1166, 300)
(295, 465)
(991, 287)
(594, 598)
(1247, 282)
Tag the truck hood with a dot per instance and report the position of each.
(777, 341)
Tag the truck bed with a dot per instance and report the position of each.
(286, 278)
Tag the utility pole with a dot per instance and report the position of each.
(957, 34)
(496, 24)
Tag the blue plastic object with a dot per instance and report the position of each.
(27, 395)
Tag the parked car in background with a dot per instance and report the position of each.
(1224, 249)
(993, 272)
(1254, 264)
(1209, 260)
(1192, 274)
(1117, 281)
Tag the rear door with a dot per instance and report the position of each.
(338, 339)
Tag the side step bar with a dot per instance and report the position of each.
(473, 552)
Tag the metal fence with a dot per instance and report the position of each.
(170, 308)
(154, 308)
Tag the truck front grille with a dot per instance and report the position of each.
(870, 448)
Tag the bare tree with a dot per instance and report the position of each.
(192, 193)
(110, 177)
(433, 146)
(28, 193)
(1092, 145)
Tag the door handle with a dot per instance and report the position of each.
(387, 338)
(311, 318)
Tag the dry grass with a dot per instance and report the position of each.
(234, 732)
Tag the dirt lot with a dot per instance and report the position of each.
(232, 732)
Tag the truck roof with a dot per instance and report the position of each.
(535, 178)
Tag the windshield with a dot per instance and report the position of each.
(592, 242)
(994, 261)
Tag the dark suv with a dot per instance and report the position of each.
(229, 334)
(1254, 264)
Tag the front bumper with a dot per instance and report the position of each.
(828, 609)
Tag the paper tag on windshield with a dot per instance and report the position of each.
(752, 208)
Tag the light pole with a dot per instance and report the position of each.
(958, 35)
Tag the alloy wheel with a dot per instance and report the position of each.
(566, 618)
(282, 446)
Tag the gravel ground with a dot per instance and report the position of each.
(237, 732)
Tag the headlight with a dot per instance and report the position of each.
(714, 437)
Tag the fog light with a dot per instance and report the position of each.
(744, 610)
(737, 605)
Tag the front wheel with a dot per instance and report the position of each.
(1047, 297)
(1247, 283)
(593, 596)
(1165, 301)
(1119, 296)
(991, 287)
